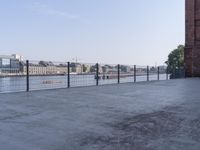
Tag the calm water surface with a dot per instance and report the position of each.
(16, 84)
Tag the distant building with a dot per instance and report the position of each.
(86, 68)
(76, 68)
(61, 69)
(35, 69)
(108, 69)
(10, 64)
(163, 69)
(125, 69)
(45, 68)
(18, 57)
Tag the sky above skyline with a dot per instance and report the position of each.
(105, 31)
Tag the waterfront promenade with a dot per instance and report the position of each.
(158, 115)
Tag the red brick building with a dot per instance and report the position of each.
(192, 50)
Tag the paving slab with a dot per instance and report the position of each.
(161, 115)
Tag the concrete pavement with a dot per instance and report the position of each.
(161, 115)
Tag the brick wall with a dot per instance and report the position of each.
(192, 50)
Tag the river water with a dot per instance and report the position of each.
(17, 84)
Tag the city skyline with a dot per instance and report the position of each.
(105, 32)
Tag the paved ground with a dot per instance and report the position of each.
(161, 115)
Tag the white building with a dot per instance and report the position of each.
(10, 64)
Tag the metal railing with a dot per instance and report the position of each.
(38, 75)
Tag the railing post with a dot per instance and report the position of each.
(179, 72)
(184, 72)
(167, 77)
(147, 73)
(134, 73)
(174, 73)
(10, 69)
(68, 74)
(27, 75)
(118, 74)
(158, 73)
(97, 74)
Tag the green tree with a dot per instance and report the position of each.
(84, 68)
(93, 69)
(176, 59)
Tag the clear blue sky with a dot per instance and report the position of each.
(111, 31)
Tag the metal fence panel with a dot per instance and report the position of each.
(38, 75)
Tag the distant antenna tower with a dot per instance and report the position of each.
(76, 59)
